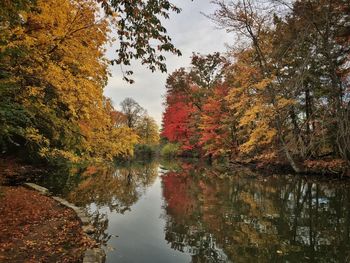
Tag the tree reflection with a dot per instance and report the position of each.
(100, 223)
(240, 219)
(115, 188)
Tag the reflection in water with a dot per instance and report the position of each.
(194, 213)
(274, 219)
(118, 189)
(100, 223)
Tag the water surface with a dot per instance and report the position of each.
(186, 212)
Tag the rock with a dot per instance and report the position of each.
(40, 189)
(85, 220)
(65, 203)
(89, 229)
(95, 255)
(58, 199)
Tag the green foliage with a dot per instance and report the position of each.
(148, 131)
(145, 151)
(141, 33)
(170, 150)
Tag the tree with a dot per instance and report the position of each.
(244, 17)
(132, 111)
(187, 92)
(181, 111)
(217, 126)
(250, 103)
(148, 131)
(207, 70)
(299, 82)
(140, 31)
(53, 72)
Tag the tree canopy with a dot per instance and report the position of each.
(140, 32)
(53, 71)
(282, 95)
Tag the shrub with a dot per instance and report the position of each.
(145, 151)
(170, 150)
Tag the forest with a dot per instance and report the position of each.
(53, 71)
(280, 95)
(255, 141)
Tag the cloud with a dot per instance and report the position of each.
(191, 32)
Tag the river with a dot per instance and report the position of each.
(188, 212)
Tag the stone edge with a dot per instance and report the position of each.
(95, 255)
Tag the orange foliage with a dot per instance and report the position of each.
(177, 121)
(216, 127)
(34, 228)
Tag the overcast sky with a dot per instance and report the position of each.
(190, 32)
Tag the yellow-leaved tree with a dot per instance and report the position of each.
(253, 99)
(53, 66)
(147, 130)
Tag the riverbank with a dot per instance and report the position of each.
(333, 168)
(36, 228)
(326, 167)
(182, 190)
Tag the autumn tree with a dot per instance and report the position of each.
(187, 92)
(290, 77)
(147, 130)
(144, 126)
(132, 111)
(13, 116)
(315, 72)
(52, 74)
(141, 34)
(244, 17)
(53, 71)
(180, 112)
(218, 129)
(286, 79)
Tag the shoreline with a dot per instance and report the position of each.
(18, 172)
(325, 168)
(94, 255)
(320, 170)
(37, 226)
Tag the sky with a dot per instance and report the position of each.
(191, 32)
